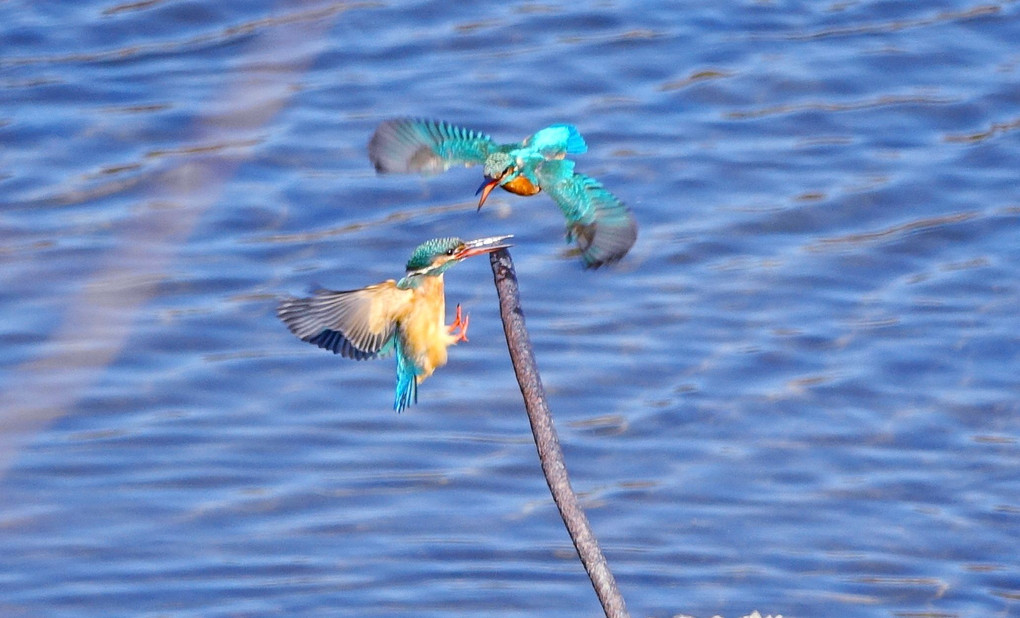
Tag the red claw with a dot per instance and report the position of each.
(459, 321)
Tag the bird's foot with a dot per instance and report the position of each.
(459, 321)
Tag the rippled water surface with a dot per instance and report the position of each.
(797, 394)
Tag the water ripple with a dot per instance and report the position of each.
(897, 25)
(815, 333)
(894, 233)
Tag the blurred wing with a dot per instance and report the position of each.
(557, 141)
(356, 324)
(407, 145)
(597, 220)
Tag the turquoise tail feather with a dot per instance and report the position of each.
(407, 382)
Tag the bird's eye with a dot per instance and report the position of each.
(450, 251)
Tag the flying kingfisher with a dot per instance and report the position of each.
(601, 224)
(407, 316)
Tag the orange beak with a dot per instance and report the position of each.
(486, 188)
(482, 245)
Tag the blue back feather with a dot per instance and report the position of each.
(575, 143)
(555, 140)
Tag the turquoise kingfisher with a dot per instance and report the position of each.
(407, 317)
(600, 224)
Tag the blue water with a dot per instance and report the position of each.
(797, 394)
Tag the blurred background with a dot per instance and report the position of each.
(798, 393)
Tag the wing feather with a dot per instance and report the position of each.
(601, 225)
(409, 145)
(358, 324)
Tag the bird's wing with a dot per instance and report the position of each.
(597, 220)
(557, 141)
(358, 324)
(408, 145)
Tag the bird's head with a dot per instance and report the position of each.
(434, 257)
(500, 168)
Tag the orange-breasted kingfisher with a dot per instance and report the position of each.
(406, 316)
(601, 225)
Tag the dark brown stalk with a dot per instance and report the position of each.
(549, 452)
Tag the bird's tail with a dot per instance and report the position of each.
(407, 381)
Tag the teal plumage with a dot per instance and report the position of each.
(406, 393)
(427, 147)
(601, 225)
(423, 261)
(552, 141)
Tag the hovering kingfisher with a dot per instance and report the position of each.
(407, 316)
(601, 224)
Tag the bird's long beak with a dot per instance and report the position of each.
(483, 245)
(485, 189)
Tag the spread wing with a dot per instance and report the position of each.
(358, 324)
(601, 225)
(408, 145)
(557, 141)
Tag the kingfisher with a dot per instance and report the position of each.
(407, 317)
(601, 225)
